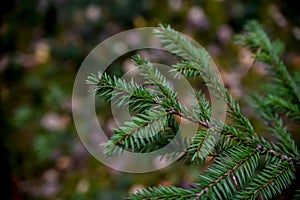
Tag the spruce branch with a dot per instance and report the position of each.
(204, 106)
(276, 152)
(154, 77)
(143, 129)
(237, 152)
(203, 145)
(255, 38)
(120, 92)
(198, 63)
(272, 180)
(228, 173)
(271, 104)
(262, 145)
(287, 144)
(160, 192)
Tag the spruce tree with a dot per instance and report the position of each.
(245, 164)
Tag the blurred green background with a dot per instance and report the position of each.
(42, 44)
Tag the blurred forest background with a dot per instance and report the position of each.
(42, 45)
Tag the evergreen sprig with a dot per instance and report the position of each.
(269, 52)
(228, 174)
(161, 192)
(119, 91)
(272, 180)
(140, 131)
(203, 144)
(154, 77)
(245, 165)
(197, 62)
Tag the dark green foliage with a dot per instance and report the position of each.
(245, 166)
(161, 192)
(203, 143)
(272, 180)
(228, 174)
(121, 91)
(269, 52)
(141, 131)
